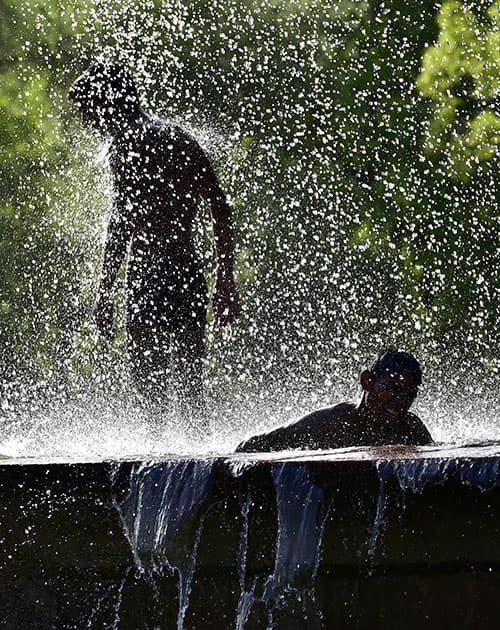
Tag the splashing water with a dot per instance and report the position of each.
(353, 231)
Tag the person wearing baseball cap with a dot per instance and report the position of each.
(381, 416)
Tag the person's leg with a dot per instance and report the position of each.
(148, 343)
(165, 331)
(149, 360)
(188, 341)
(188, 353)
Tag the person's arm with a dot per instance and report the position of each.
(277, 440)
(310, 432)
(119, 233)
(226, 298)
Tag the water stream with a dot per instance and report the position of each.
(163, 507)
(162, 517)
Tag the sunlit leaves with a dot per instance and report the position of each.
(461, 74)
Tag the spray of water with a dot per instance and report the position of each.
(350, 235)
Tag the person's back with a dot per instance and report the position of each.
(382, 416)
(161, 171)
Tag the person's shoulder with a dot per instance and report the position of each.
(413, 420)
(154, 129)
(324, 428)
(320, 425)
(152, 136)
(318, 429)
(171, 130)
(416, 430)
(181, 141)
(345, 409)
(296, 434)
(335, 412)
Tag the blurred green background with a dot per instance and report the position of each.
(358, 142)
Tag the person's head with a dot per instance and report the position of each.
(106, 96)
(390, 384)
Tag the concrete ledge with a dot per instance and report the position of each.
(351, 538)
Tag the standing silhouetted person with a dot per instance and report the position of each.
(382, 415)
(160, 175)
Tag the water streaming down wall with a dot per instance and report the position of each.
(162, 516)
(302, 509)
(165, 500)
(312, 541)
(414, 475)
(163, 510)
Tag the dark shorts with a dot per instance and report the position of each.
(166, 295)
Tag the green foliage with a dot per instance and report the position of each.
(461, 75)
(38, 304)
(363, 146)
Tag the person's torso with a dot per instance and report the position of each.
(156, 177)
(341, 426)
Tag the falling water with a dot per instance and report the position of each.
(162, 517)
(302, 513)
(247, 597)
(414, 475)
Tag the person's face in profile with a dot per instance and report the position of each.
(391, 394)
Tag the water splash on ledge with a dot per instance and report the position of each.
(162, 507)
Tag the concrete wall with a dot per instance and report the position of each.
(362, 539)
